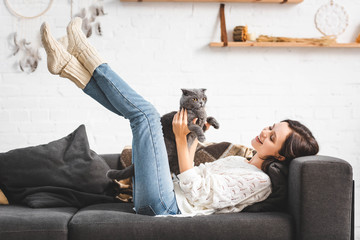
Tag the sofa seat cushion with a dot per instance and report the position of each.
(20, 222)
(118, 221)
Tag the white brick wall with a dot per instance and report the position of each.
(161, 47)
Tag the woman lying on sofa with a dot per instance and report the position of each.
(226, 185)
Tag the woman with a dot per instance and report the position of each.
(226, 185)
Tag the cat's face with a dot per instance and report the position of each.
(193, 98)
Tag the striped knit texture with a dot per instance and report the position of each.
(90, 59)
(76, 72)
(80, 47)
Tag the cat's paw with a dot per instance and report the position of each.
(201, 138)
(212, 121)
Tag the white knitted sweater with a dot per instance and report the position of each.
(227, 185)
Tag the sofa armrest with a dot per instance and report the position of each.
(113, 160)
(320, 197)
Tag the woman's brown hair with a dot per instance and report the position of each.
(300, 142)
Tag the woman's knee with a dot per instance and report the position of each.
(148, 115)
(150, 110)
(147, 111)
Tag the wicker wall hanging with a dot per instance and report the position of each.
(331, 19)
(16, 14)
(89, 17)
(90, 23)
(27, 53)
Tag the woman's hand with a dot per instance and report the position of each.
(180, 129)
(179, 123)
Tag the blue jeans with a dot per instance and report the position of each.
(153, 190)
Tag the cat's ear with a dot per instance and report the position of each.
(203, 89)
(186, 92)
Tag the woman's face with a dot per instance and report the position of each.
(270, 140)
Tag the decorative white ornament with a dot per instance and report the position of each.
(10, 8)
(331, 19)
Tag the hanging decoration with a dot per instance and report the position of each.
(331, 19)
(89, 19)
(27, 52)
(13, 12)
(30, 55)
(89, 22)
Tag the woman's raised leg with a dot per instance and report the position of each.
(153, 187)
(93, 90)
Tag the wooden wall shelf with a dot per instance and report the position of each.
(225, 43)
(243, 1)
(283, 44)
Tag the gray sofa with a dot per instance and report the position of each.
(320, 208)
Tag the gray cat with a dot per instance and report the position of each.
(194, 101)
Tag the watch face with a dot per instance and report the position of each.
(331, 19)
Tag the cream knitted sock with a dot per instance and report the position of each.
(76, 72)
(57, 56)
(62, 63)
(80, 47)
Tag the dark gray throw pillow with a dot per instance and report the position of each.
(277, 201)
(65, 172)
